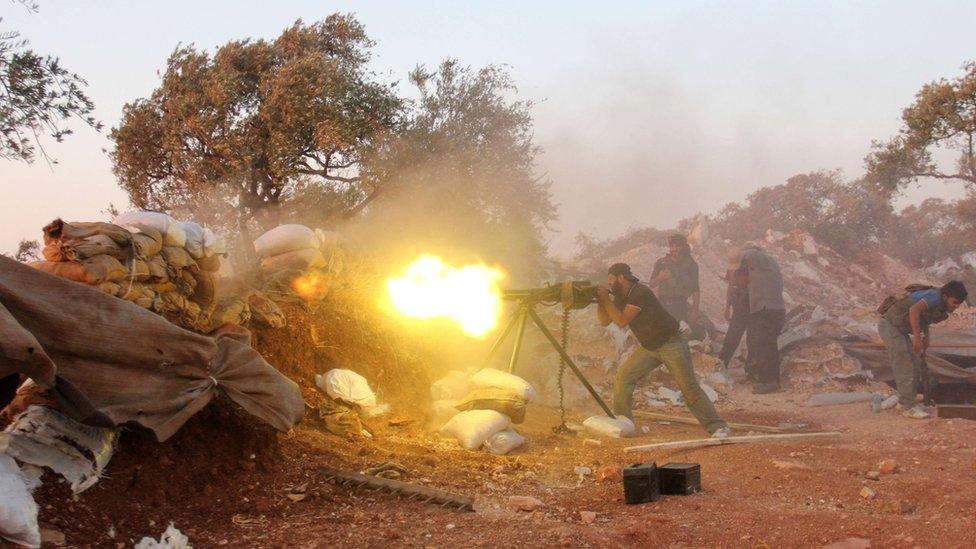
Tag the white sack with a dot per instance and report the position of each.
(453, 386)
(173, 234)
(172, 538)
(201, 241)
(348, 386)
(489, 377)
(285, 238)
(443, 410)
(504, 442)
(472, 428)
(18, 511)
(610, 427)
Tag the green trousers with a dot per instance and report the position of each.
(676, 356)
(905, 364)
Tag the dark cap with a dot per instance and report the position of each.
(618, 269)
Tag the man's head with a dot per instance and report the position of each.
(620, 278)
(953, 293)
(678, 244)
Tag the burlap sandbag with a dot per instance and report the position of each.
(265, 311)
(62, 230)
(147, 242)
(307, 258)
(163, 287)
(109, 363)
(54, 252)
(205, 291)
(92, 271)
(177, 257)
(500, 400)
(157, 268)
(111, 288)
(138, 270)
(169, 302)
(231, 311)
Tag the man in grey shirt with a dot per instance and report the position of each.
(767, 314)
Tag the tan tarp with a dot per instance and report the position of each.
(110, 362)
(62, 230)
(94, 270)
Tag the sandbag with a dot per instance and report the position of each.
(111, 288)
(472, 428)
(169, 302)
(504, 442)
(131, 291)
(147, 242)
(176, 257)
(265, 311)
(328, 240)
(307, 258)
(91, 271)
(62, 230)
(138, 270)
(91, 246)
(610, 427)
(489, 377)
(205, 290)
(53, 252)
(453, 386)
(231, 311)
(443, 410)
(157, 268)
(492, 398)
(285, 238)
(163, 287)
(18, 511)
(168, 227)
(347, 386)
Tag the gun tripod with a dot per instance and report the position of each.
(573, 295)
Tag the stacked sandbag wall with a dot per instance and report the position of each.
(147, 258)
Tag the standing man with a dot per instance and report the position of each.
(676, 278)
(736, 306)
(767, 314)
(634, 305)
(912, 315)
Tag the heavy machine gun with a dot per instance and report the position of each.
(571, 295)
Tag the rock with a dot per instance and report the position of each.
(834, 399)
(953, 460)
(889, 402)
(718, 378)
(582, 471)
(872, 475)
(899, 507)
(790, 464)
(867, 493)
(592, 442)
(587, 517)
(523, 503)
(850, 543)
(888, 467)
(712, 393)
(610, 473)
(52, 536)
(672, 396)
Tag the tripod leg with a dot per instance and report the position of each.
(518, 340)
(569, 362)
(508, 329)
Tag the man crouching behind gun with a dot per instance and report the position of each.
(635, 305)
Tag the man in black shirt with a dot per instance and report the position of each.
(634, 305)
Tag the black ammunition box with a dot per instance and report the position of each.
(680, 479)
(641, 483)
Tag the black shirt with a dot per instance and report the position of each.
(653, 326)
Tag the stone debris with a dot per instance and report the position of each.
(888, 467)
(523, 503)
(867, 493)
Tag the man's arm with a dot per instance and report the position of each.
(659, 274)
(602, 316)
(915, 321)
(618, 317)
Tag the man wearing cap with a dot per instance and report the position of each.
(676, 278)
(634, 305)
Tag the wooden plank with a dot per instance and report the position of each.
(961, 411)
(935, 345)
(685, 420)
(703, 442)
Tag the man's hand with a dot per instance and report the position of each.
(602, 292)
(663, 275)
(917, 346)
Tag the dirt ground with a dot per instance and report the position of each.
(222, 490)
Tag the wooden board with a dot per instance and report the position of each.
(949, 411)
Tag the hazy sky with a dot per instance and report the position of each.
(648, 111)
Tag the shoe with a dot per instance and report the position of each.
(916, 412)
(765, 388)
(722, 432)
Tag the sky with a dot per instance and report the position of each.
(647, 112)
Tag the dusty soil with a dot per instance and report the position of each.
(224, 489)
